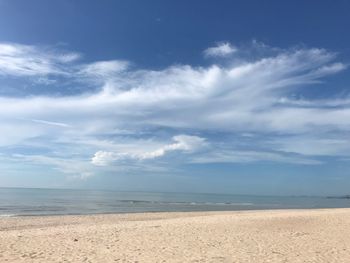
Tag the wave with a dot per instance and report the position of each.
(183, 203)
(8, 215)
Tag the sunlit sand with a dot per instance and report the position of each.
(249, 236)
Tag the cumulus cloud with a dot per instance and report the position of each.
(185, 143)
(220, 50)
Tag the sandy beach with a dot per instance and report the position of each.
(248, 236)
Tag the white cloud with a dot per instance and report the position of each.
(314, 145)
(23, 60)
(220, 50)
(104, 69)
(185, 143)
(68, 57)
(251, 97)
(59, 124)
(248, 156)
(103, 158)
(74, 168)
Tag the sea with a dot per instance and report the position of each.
(35, 202)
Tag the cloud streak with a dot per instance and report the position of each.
(18, 60)
(183, 143)
(59, 124)
(130, 114)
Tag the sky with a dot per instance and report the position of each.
(240, 97)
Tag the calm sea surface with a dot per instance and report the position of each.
(23, 202)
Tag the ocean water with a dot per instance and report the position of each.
(26, 202)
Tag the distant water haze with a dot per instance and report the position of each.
(29, 201)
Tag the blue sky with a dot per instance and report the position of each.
(245, 97)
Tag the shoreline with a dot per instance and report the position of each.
(170, 212)
(291, 235)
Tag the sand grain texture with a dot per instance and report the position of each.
(250, 236)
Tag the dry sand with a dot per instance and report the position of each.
(250, 236)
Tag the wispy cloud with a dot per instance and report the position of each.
(23, 60)
(103, 70)
(257, 96)
(185, 143)
(220, 50)
(59, 124)
(249, 156)
(73, 168)
(314, 144)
